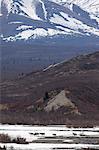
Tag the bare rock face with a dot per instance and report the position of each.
(59, 101)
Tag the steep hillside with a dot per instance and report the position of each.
(37, 19)
(68, 92)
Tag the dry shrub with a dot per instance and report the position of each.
(3, 148)
(19, 140)
(4, 138)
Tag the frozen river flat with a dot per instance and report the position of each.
(51, 137)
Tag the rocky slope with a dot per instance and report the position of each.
(68, 92)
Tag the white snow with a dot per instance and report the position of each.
(58, 19)
(73, 24)
(36, 33)
(64, 23)
(8, 4)
(24, 27)
(88, 5)
(25, 130)
(40, 146)
(30, 8)
(48, 68)
(44, 9)
(68, 31)
(60, 131)
(15, 22)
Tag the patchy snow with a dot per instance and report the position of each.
(46, 146)
(25, 35)
(44, 9)
(8, 4)
(48, 68)
(15, 22)
(58, 19)
(37, 33)
(71, 24)
(52, 32)
(92, 16)
(28, 33)
(26, 131)
(30, 8)
(57, 22)
(88, 5)
(24, 27)
(68, 31)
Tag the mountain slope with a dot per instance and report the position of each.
(89, 5)
(76, 82)
(45, 19)
(92, 6)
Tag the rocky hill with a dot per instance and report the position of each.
(68, 93)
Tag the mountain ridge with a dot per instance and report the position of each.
(41, 19)
(75, 81)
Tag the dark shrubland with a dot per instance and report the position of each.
(5, 138)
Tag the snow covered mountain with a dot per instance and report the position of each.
(37, 19)
(88, 5)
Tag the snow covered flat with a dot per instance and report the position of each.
(51, 137)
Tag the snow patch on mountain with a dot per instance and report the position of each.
(30, 9)
(44, 9)
(88, 5)
(22, 7)
(72, 24)
(15, 22)
(24, 27)
(35, 19)
(34, 34)
(7, 4)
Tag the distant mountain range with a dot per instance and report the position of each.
(31, 20)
